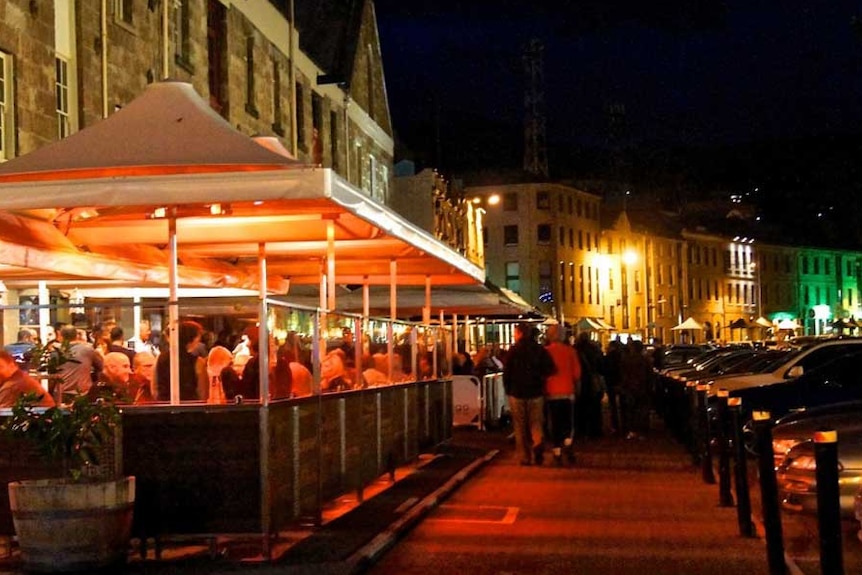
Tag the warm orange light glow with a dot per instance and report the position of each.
(493, 200)
(630, 257)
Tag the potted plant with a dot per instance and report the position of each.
(82, 520)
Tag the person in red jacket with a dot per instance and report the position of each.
(560, 394)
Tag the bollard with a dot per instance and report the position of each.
(828, 501)
(703, 418)
(690, 424)
(725, 498)
(740, 467)
(769, 494)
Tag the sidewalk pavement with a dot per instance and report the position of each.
(636, 504)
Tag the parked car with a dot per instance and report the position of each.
(796, 476)
(836, 381)
(799, 425)
(795, 365)
(676, 355)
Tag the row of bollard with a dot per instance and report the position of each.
(724, 436)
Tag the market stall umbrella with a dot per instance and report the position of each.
(689, 323)
(788, 324)
(587, 324)
(763, 322)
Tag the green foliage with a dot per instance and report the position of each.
(73, 435)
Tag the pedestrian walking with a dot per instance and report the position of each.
(612, 370)
(588, 405)
(635, 390)
(527, 366)
(560, 394)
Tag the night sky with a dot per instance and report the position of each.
(783, 78)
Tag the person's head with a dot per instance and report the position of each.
(25, 335)
(69, 333)
(144, 364)
(347, 335)
(116, 333)
(332, 366)
(522, 330)
(144, 330)
(554, 333)
(190, 334)
(117, 368)
(8, 367)
(218, 358)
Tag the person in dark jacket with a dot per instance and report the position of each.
(527, 366)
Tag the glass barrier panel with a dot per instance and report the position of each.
(291, 362)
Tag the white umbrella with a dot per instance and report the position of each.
(690, 323)
(788, 324)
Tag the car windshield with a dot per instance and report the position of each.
(764, 362)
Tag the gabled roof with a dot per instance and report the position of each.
(329, 33)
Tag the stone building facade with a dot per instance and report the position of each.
(69, 63)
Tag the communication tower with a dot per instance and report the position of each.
(535, 146)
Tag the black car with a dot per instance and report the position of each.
(837, 381)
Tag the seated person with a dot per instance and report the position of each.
(14, 383)
(371, 376)
(332, 373)
(141, 381)
(301, 379)
(219, 359)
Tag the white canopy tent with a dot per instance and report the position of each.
(689, 323)
(169, 194)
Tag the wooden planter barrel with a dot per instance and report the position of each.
(64, 525)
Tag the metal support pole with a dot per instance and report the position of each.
(769, 494)
(725, 498)
(703, 426)
(828, 503)
(743, 496)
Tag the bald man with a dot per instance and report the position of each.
(14, 383)
(116, 371)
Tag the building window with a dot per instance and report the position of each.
(543, 234)
(580, 239)
(804, 265)
(217, 55)
(637, 281)
(562, 236)
(333, 139)
(543, 201)
(317, 129)
(123, 11)
(849, 297)
(7, 127)
(510, 235)
(513, 276)
(61, 88)
(562, 281)
(826, 266)
(816, 266)
(277, 125)
(571, 238)
(250, 106)
(510, 202)
(570, 202)
(300, 117)
(182, 47)
(580, 208)
(581, 286)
